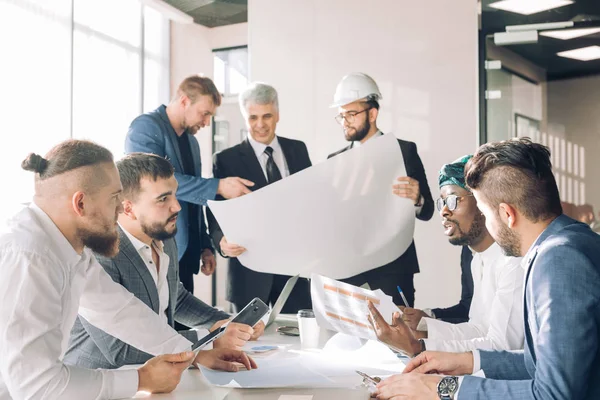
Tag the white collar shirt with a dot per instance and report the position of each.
(496, 314)
(377, 134)
(278, 156)
(159, 277)
(45, 284)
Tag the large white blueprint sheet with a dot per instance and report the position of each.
(338, 218)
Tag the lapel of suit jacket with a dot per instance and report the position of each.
(172, 278)
(527, 264)
(248, 158)
(554, 227)
(127, 250)
(172, 137)
(289, 155)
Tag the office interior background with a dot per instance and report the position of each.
(453, 74)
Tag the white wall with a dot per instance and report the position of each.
(424, 57)
(191, 53)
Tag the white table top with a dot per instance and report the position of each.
(194, 386)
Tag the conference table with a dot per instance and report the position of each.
(339, 368)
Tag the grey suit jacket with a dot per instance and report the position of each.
(561, 359)
(91, 347)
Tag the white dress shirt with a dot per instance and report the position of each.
(160, 276)
(278, 156)
(44, 284)
(496, 314)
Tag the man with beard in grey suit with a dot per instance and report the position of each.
(147, 266)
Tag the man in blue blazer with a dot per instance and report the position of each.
(516, 191)
(147, 266)
(169, 132)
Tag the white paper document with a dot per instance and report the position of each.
(269, 374)
(337, 218)
(343, 308)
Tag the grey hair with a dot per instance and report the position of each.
(258, 93)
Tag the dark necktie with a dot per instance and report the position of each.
(273, 173)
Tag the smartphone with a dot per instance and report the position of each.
(252, 313)
(211, 337)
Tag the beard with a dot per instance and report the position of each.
(105, 243)
(509, 241)
(192, 130)
(360, 133)
(158, 230)
(473, 236)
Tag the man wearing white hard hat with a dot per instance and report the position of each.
(357, 100)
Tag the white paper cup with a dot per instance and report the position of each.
(309, 330)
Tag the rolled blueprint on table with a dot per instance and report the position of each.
(338, 218)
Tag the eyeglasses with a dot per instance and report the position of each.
(451, 201)
(349, 116)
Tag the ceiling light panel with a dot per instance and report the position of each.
(528, 7)
(583, 54)
(566, 34)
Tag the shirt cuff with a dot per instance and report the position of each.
(429, 312)
(418, 209)
(422, 325)
(476, 361)
(121, 384)
(460, 380)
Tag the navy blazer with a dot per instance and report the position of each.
(460, 312)
(90, 347)
(561, 359)
(152, 133)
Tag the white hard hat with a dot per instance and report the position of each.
(355, 86)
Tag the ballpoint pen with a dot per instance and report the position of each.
(403, 298)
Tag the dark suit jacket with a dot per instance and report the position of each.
(561, 359)
(460, 312)
(243, 284)
(407, 263)
(90, 347)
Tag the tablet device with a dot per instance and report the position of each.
(252, 313)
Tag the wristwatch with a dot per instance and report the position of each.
(422, 343)
(447, 387)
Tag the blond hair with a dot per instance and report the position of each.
(195, 86)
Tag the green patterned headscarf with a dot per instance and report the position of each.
(454, 173)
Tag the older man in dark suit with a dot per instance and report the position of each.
(263, 158)
(357, 99)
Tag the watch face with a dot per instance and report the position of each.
(447, 386)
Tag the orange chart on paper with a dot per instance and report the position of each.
(348, 320)
(348, 293)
